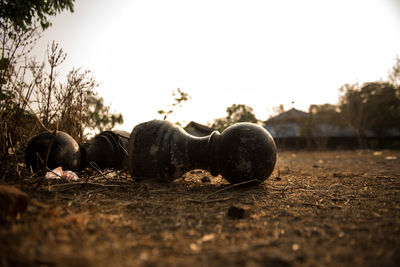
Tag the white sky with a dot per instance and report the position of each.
(259, 53)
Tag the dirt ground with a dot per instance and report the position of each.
(338, 208)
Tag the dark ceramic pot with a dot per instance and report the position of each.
(243, 152)
(64, 151)
(107, 150)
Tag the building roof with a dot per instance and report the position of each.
(290, 115)
(284, 130)
(289, 124)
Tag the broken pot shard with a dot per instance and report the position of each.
(243, 152)
(58, 173)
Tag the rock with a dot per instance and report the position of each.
(12, 202)
(238, 212)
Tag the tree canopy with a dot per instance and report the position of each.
(374, 107)
(179, 97)
(394, 75)
(23, 13)
(235, 113)
(99, 116)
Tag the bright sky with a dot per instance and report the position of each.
(221, 52)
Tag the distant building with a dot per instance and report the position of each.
(198, 129)
(287, 129)
(288, 124)
(291, 130)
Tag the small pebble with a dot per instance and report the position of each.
(238, 212)
(12, 201)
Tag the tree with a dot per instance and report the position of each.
(372, 107)
(73, 106)
(15, 46)
(235, 113)
(19, 30)
(24, 13)
(179, 97)
(278, 110)
(354, 110)
(394, 75)
(382, 101)
(19, 21)
(322, 121)
(99, 116)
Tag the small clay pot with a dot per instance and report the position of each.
(64, 151)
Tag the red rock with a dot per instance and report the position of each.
(12, 201)
(238, 212)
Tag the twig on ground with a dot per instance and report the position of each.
(86, 183)
(232, 186)
(205, 200)
(97, 168)
(67, 186)
(210, 200)
(276, 188)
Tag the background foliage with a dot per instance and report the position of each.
(235, 113)
(33, 95)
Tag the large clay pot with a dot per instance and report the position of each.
(243, 152)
